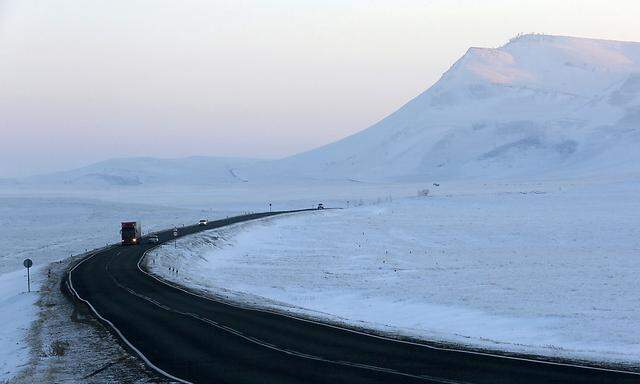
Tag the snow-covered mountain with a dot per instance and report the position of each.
(539, 106)
(150, 171)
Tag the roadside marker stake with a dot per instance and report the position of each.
(28, 264)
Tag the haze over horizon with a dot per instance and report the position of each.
(84, 83)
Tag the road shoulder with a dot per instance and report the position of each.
(68, 345)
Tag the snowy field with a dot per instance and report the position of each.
(548, 269)
(18, 311)
(47, 225)
(50, 228)
(46, 229)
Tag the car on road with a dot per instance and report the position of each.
(153, 239)
(203, 222)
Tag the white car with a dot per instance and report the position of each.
(153, 239)
(203, 222)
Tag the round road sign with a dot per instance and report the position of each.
(27, 263)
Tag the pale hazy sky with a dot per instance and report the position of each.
(86, 80)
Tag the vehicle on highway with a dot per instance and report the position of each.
(320, 206)
(203, 222)
(131, 232)
(153, 239)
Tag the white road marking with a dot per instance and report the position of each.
(140, 354)
(276, 348)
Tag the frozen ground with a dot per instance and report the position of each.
(18, 311)
(46, 227)
(543, 268)
(49, 225)
(67, 345)
(50, 228)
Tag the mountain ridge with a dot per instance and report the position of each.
(136, 171)
(536, 102)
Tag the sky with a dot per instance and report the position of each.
(84, 81)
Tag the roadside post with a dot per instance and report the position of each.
(28, 264)
(175, 235)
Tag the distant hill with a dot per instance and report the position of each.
(151, 171)
(540, 106)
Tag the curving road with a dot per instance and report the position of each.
(194, 339)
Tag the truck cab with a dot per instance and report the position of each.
(131, 232)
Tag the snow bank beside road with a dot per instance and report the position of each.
(18, 310)
(546, 273)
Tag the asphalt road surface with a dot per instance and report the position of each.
(200, 340)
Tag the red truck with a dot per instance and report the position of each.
(131, 232)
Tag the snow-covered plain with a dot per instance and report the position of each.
(48, 224)
(18, 311)
(50, 228)
(548, 269)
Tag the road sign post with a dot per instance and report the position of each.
(175, 235)
(28, 264)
